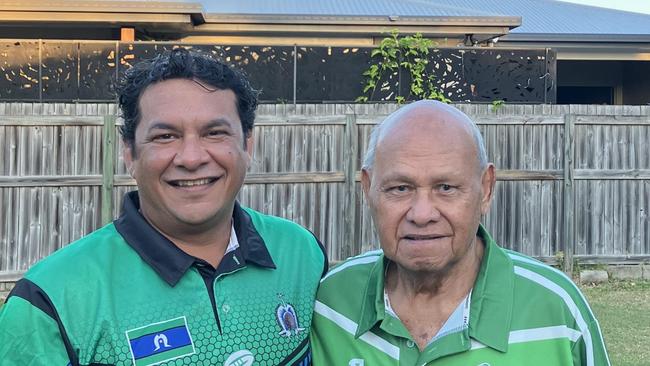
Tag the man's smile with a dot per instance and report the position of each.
(185, 183)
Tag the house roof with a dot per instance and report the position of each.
(343, 8)
(539, 17)
(545, 23)
(262, 18)
(161, 13)
(532, 18)
(367, 18)
(576, 31)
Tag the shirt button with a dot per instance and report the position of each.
(225, 308)
(410, 344)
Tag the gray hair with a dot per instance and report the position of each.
(369, 157)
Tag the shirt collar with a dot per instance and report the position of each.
(491, 299)
(167, 259)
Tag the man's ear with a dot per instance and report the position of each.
(249, 145)
(488, 181)
(365, 181)
(129, 157)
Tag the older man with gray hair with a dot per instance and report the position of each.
(441, 291)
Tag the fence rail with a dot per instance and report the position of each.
(574, 181)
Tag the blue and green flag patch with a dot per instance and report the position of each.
(160, 342)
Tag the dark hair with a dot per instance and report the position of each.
(181, 63)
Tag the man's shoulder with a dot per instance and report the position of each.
(264, 222)
(350, 277)
(288, 242)
(277, 232)
(357, 266)
(537, 272)
(69, 261)
(540, 282)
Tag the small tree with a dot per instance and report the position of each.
(410, 53)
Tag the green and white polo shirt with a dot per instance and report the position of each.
(521, 312)
(125, 295)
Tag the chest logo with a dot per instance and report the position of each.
(160, 342)
(287, 318)
(240, 358)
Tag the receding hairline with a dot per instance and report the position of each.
(443, 113)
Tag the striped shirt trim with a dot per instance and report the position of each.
(535, 263)
(577, 315)
(554, 270)
(351, 327)
(370, 257)
(537, 334)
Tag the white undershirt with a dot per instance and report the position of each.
(457, 321)
(233, 243)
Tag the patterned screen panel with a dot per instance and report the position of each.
(19, 65)
(97, 70)
(59, 71)
(70, 71)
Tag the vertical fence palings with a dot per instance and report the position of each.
(565, 174)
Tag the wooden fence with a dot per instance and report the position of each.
(572, 179)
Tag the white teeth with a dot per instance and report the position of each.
(191, 183)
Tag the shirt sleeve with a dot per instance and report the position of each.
(30, 331)
(590, 349)
(324, 251)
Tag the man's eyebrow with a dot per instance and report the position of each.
(396, 176)
(218, 122)
(162, 126)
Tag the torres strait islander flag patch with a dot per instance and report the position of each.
(160, 342)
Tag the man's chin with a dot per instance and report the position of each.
(199, 220)
(430, 267)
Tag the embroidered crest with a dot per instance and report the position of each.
(287, 318)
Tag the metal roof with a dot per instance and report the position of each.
(416, 8)
(522, 20)
(550, 17)
(547, 17)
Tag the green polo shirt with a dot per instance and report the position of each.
(522, 312)
(125, 295)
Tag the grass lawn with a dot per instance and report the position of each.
(623, 311)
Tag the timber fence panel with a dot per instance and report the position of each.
(50, 178)
(55, 174)
(613, 182)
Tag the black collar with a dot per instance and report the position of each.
(167, 259)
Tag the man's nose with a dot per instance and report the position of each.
(424, 209)
(191, 154)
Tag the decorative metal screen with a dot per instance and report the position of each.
(70, 71)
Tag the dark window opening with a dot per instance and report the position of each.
(585, 95)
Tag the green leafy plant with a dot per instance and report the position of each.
(409, 53)
(497, 104)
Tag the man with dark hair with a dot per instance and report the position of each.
(185, 275)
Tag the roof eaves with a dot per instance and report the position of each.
(97, 18)
(576, 37)
(388, 20)
(109, 6)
